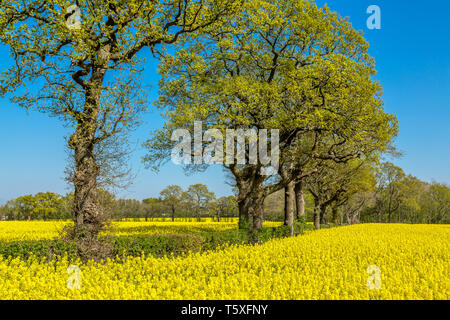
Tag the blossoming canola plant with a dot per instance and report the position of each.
(326, 264)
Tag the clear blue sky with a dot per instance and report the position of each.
(412, 52)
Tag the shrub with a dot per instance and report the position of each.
(157, 245)
(41, 248)
(214, 239)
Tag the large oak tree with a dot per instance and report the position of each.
(79, 61)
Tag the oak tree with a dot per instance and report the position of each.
(80, 62)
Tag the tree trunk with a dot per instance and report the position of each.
(300, 200)
(88, 212)
(379, 213)
(389, 208)
(244, 212)
(250, 198)
(251, 210)
(257, 211)
(289, 198)
(323, 216)
(334, 214)
(87, 209)
(173, 212)
(317, 215)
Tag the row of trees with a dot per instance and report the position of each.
(403, 198)
(197, 201)
(44, 206)
(288, 66)
(349, 194)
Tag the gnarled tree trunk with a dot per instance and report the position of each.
(251, 210)
(88, 213)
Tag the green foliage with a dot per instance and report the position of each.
(216, 239)
(43, 205)
(157, 245)
(256, 70)
(199, 199)
(171, 193)
(171, 197)
(334, 184)
(283, 231)
(108, 36)
(226, 207)
(436, 204)
(44, 248)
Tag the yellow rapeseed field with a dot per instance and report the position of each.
(404, 262)
(44, 230)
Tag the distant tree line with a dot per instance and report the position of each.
(43, 205)
(350, 193)
(345, 194)
(174, 202)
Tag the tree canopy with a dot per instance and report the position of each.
(282, 65)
